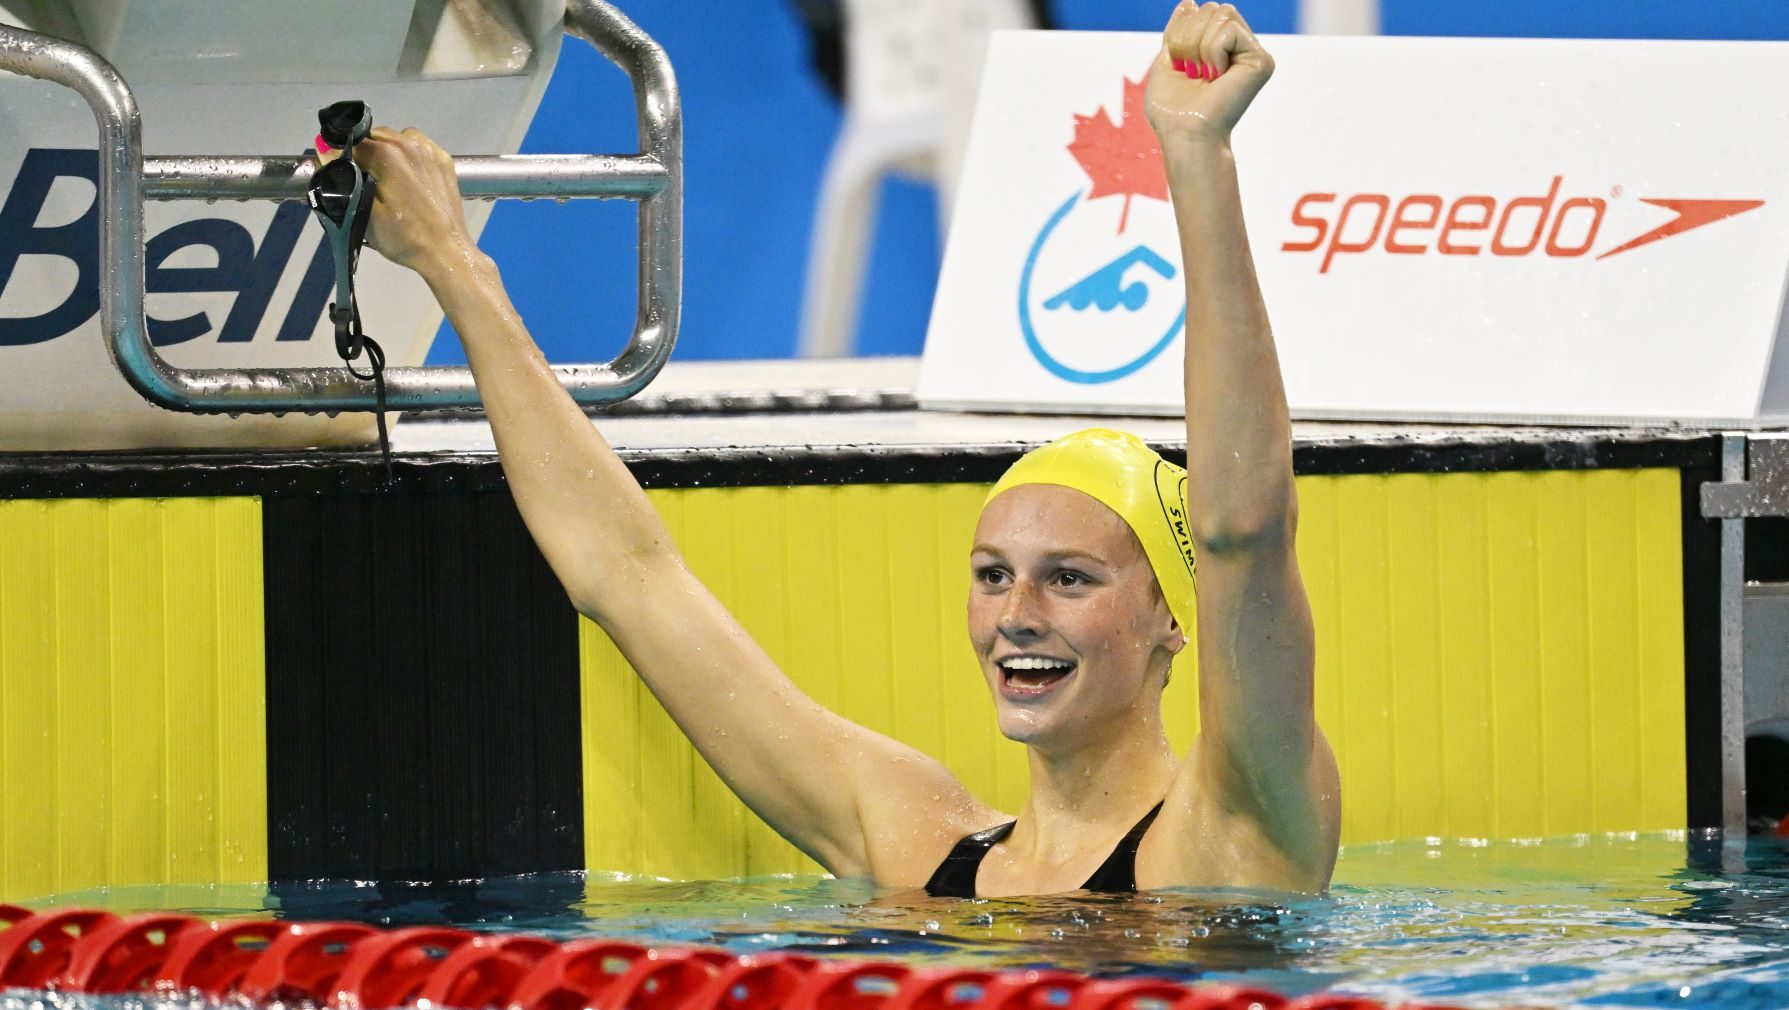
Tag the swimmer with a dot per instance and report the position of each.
(1081, 579)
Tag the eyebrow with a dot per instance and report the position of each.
(1064, 555)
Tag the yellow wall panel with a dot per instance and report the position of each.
(1516, 787)
(132, 699)
(1499, 655)
(1614, 734)
(1660, 647)
(1413, 576)
(1462, 666)
(1566, 704)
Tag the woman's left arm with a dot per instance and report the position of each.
(1257, 801)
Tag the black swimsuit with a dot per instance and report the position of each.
(955, 877)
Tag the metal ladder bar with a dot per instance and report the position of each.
(126, 177)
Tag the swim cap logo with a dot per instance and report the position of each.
(1062, 279)
(1170, 490)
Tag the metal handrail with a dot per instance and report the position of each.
(654, 178)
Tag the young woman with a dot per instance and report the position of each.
(1081, 587)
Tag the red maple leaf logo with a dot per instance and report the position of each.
(1122, 158)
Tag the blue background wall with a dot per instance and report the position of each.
(759, 122)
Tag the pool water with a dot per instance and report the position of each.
(1615, 921)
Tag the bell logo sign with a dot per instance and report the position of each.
(241, 266)
(1422, 224)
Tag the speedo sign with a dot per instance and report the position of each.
(1478, 224)
(1444, 229)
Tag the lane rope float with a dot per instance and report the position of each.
(353, 966)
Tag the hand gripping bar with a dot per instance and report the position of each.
(654, 177)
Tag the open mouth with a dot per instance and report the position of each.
(1032, 676)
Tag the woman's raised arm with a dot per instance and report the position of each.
(859, 803)
(1259, 791)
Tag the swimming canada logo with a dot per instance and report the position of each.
(1101, 324)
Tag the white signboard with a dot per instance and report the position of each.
(230, 284)
(1445, 229)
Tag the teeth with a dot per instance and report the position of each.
(1034, 663)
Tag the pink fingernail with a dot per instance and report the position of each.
(1179, 64)
(323, 145)
(1191, 74)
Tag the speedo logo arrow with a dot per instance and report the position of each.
(1480, 224)
(1690, 214)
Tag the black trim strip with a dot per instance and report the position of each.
(423, 720)
(157, 475)
(1701, 649)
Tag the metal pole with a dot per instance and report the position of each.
(1733, 589)
(559, 176)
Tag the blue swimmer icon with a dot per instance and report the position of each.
(1105, 287)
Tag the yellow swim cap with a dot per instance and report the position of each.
(1116, 469)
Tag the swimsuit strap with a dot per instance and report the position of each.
(1118, 874)
(955, 877)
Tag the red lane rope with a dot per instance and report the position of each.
(351, 966)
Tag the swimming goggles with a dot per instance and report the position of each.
(341, 195)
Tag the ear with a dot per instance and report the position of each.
(1175, 639)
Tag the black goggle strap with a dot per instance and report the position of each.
(345, 234)
(376, 372)
(344, 246)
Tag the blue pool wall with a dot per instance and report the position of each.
(759, 122)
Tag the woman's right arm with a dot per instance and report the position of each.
(842, 794)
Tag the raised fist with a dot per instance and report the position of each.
(1210, 68)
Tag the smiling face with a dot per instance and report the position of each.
(1066, 618)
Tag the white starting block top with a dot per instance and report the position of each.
(898, 424)
(231, 284)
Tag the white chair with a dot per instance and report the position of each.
(1338, 17)
(911, 72)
